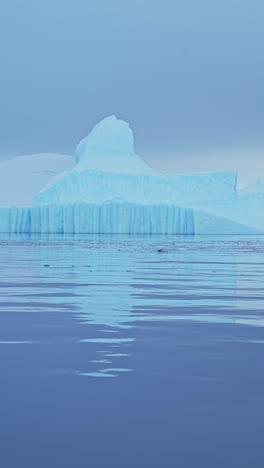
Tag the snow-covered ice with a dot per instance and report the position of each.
(110, 189)
(24, 176)
(110, 148)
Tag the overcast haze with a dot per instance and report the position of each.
(187, 75)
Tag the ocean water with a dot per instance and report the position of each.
(120, 351)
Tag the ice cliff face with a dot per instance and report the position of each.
(110, 189)
(90, 186)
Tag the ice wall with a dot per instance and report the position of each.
(89, 186)
(110, 218)
(115, 218)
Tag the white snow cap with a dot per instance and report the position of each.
(110, 147)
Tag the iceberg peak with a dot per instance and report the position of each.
(110, 147)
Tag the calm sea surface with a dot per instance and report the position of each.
(131, 352)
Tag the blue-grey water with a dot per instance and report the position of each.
(131, 352)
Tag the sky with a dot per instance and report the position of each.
(187, 75)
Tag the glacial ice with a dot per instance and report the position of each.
(110, 189)
(107, 168)
(110, 148)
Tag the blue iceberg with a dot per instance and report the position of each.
(110, 189)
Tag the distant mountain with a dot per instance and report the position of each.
(21, 178)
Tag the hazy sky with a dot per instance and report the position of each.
(188, 75)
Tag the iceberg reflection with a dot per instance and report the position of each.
(114, 285)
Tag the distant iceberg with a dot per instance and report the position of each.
(110, 189)
(255, 186)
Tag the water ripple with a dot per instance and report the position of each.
(119, 284)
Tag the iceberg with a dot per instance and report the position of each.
(107, 169)
(109, 189)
